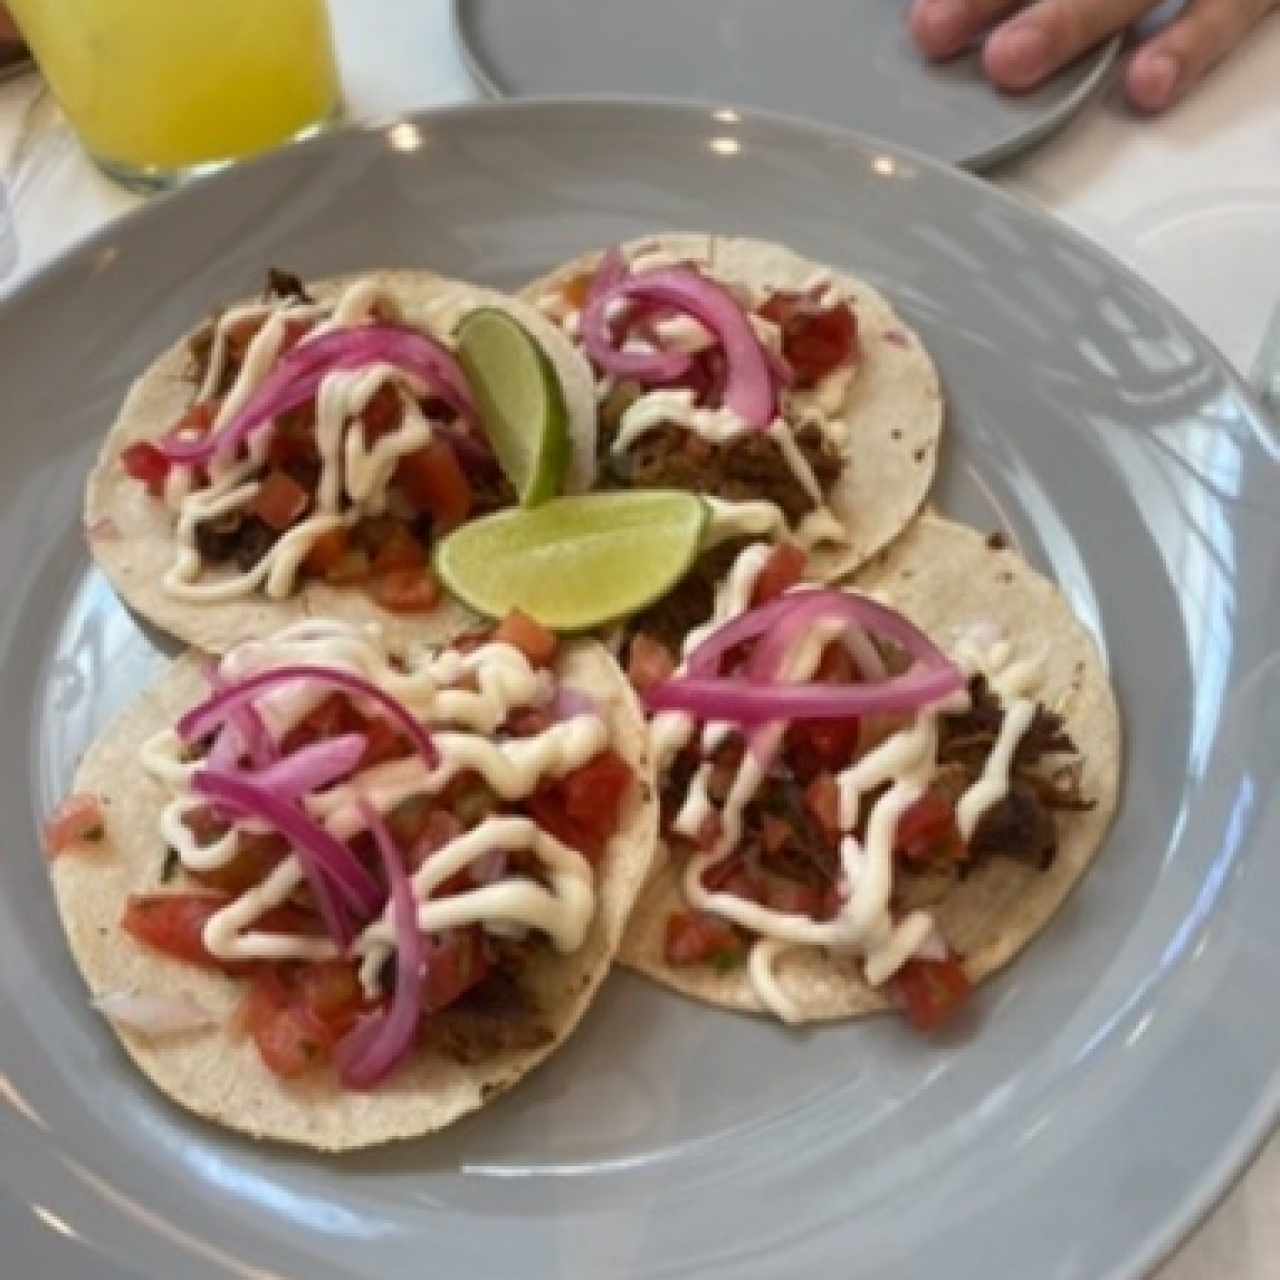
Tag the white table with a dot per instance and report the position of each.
(1192, 201)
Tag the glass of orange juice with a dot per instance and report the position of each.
(161, 90)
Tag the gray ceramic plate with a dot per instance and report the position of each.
(1118, 1074)
(847, 62)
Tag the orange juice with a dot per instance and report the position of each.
(154, 86)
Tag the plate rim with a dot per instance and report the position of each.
(1008, 146)
(1215, 1182)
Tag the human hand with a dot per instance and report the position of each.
(1024, 49)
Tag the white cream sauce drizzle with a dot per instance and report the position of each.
(353, 477)
(905, 762)
(471, 694)
(1011, 681)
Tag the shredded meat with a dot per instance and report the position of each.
(496, 1016)
(1019, 827)
(279, 284)
(691, 603)
(286, 286)
(750, 467)
(235, 536)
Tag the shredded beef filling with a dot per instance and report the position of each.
(748, 468)
(496, 1016)
(691, 603)
(236, 536)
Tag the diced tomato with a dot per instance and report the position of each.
(836, 666)
(241, 334)
(932, 991)
(383, 413)
(433, 480)
(327, 552)
(406, 590)
(822, 796)
(204, 824)
(294, 331)
(529, 723)
(255, 857)
(334, 716)
(693, 937)
(174, 923)
(293, 438)
(782, 570)
(287, 1042)
(783, 894)
(575, 289)
(535, 641)
(398, 549)
(77, 823)
(143, 461)
(815, 341)
(353, 567)
(649, 662)
(546, 808)
(330, 993)
(199, 417)
(280, 501)
(928, 829)
(385, 743)
(581, 810)
(593, 794)
(453, 967)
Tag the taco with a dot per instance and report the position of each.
(788, 392)
(298, 455)
(874, 796)
(335, 893)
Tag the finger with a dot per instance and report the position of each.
(943, 27)
(1168, 64)
(1022, 52)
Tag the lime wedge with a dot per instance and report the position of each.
(520, 401)
(575, 562)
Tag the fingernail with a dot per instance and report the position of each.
(1022, 52)
(1155, 79)
(944, 23)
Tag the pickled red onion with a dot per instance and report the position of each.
(297, 377)
(377, 1044)
(758, 698)
(749, 388)
(748, 702)
(218, 708)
